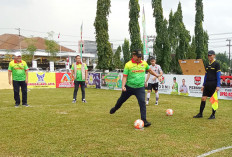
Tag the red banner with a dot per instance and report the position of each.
(63, 80)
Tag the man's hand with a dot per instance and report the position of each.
(123, 89)
(26, 81)
(154, 78)
(218, 88)
(10, 82)
(202, 88)
(86, 81)
(145, 84)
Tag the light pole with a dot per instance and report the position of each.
(229, 56)
(19, 39)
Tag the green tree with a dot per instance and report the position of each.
(105, 53)
(192, 50)
(162, 48)
(134, 28)
(223, 60)
(52, 47)
(126, 51)
(201, 37)
(29, 53)
(118, 64)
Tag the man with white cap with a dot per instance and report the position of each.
(19, 71)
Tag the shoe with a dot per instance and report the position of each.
(212, 117)
(16, 105)
(198, 116)
(113, 110)
(26, 105)
(147, 103)
(74, 101)
(146, 123)
(84, 101)
(156, 103)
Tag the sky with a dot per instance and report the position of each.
(37, 17)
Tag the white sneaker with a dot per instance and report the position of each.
(156, 103)
(147, 103)
(74, 101)
(84, 101)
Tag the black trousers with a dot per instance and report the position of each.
(77, 83)
(140, 95)
(17, 85)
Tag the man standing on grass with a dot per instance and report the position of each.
(153, 81)
(133, 84)
(211, 83)
(79, 71)
(19, 71)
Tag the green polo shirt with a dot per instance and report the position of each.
(79, 73)
(135, 73)
(18, 70)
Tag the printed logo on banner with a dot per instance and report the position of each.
(162, 80)
(40, 78)
(197, 80)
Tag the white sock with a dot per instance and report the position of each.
(157, 96)
(148, 97)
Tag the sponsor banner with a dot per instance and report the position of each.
(226, 81)
(225, 93)
(111, 81)
(63, 80)
(94, 80)
(41, 80)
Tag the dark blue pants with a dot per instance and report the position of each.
(140, 95)
(17, 85)
(77, 83)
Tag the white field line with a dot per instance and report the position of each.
(215, 151)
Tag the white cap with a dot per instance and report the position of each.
(18, 54)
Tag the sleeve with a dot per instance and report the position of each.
(72, 68)
(86, 68)
(25, 66)
(160, 70)
(126, 70)
(205, 79)
(10, 68)
(147, 67)
(218, 70)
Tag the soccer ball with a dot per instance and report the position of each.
(169, 112)
(139, 124)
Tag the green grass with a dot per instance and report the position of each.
(53, 126)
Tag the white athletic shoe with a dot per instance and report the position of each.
(156, 103)
(147, 103)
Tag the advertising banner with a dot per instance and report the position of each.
(94, 80)
(41, 80)
(63, 80)
(111, 80)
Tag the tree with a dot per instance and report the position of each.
(126, 51)
(192, 50)
(28, 55)
(52, 47)
(134, 28)
(104, 50)
(117, 59)
(223, 60)
(201, 37)
(162, 46)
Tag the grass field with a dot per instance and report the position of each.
(53, 126)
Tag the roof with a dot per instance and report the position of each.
(11, 42)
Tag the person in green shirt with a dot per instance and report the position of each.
(175, 85)
(19, 71)
(79, 72)
(133, 83)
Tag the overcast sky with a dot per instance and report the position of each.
(36, 17)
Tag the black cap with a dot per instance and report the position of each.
(174, 78)
(138, 53)
(211, 52)
(152, 58)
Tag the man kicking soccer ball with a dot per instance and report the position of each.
(133, 84)
(153, 80)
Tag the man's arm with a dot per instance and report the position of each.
(124, 79)
(86, 76)
(9, 77)
(152, 72)
(72, 75)
(26, 76)
(148, 76)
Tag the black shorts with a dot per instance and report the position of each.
(209, 88)
(154, 86)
